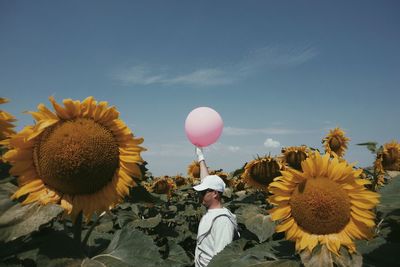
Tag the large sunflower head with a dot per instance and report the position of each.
(6, 120)
(326, 203)
(391, 156)
(260, 172)
(336, 142)
(194, 170)
(82, 156)
(293, 156)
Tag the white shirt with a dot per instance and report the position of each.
(209, 243)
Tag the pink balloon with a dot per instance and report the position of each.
(203, 126)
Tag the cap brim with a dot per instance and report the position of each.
(200, 187)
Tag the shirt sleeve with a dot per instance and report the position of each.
(222, 233)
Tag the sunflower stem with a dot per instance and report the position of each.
(78, 228)
(86, 238)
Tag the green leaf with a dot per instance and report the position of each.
(130, 247)
(42, 246)
(367, 246)
(61, 262)
(390, 200)
(256, 221)
(17, 220)
(146, 223)
(261, 225)
(321, 256)
(371, 146)
(126, 216)
(177, 255)
(260, 255)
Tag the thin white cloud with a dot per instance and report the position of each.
(233, 148)
(270, 143)
(269, 57)
(276, 56)
(169, 150)
(142, 75)
(185, 150)
(270, 131)
(203, 77)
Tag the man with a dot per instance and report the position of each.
(218, 226)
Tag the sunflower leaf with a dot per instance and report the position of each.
(146, 223)
(176, 255)
(130, 247)
(17, 220)
(390, 200)
(260, 255)
(371, 146)
(261, 225)
(256, 221)
(320, 256)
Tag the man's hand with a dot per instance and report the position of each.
(199, 153)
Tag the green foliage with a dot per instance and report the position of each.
(148, 230)
(17, 220)
(386, 243)
(130, 247)
(371, 146)
(237, 254)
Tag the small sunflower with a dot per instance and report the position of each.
(194, 170)
(260, 172)
(162, 185)
(336, 142)
(180, 180)
(82, 156)
(326, 203)
(6, 119)
(238, 184)
(379, 170)
(293, 156)
(391, 156)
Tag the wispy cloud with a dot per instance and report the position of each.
(269, 57)
(233, 148)
(272, 57)
(144, 75)
(170, 150)
(269, 131)
(270, 143)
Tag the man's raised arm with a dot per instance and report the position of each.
(202, 162)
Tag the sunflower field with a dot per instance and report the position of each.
(75, 191)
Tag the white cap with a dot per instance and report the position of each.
(213, 182)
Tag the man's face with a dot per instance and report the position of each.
(207, 197)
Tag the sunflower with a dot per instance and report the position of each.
(238, 184)
(379, 171)
(326, 203)
(260, 172)
(162, 185)
(336, 142)
(293, 156)
(194, 170)
(180, 180)
(82, 156)
(6, 119)
(391, 156)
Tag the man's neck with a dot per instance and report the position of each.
(216, 205)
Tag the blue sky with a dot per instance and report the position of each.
(283, 71)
